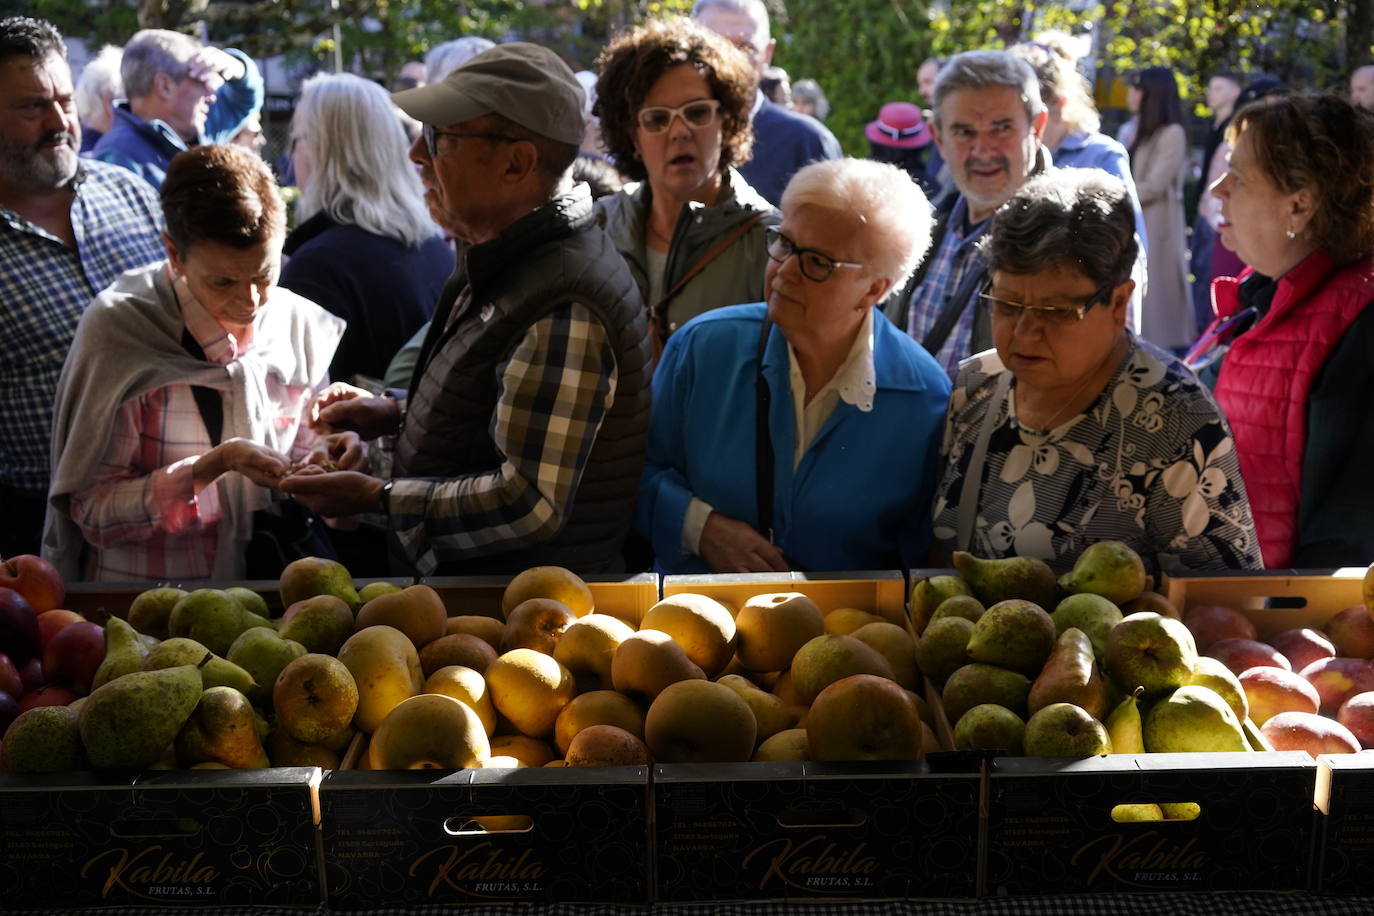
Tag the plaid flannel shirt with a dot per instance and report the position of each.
(950, 263)
(45, 285)
(555, 390)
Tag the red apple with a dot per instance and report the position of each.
(51, 695)
(18, 627)
(31, 675)
(1357, 714)
(1352, 632)
(1239, 654)
(74, 654)
(1211, 623)
(34, 578)
(49, 622)
(9, 677)
(1339, 679)
(1303, 646)
(1306, 731)
(1270, 691)
(9, 710)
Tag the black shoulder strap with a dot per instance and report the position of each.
(954, 307)
(208, 400)
(763, 442)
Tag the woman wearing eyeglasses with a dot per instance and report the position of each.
(839, 476)
(675, 99)
(1073, 430)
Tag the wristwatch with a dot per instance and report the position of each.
(385, 497)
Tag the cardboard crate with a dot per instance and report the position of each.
(98, 601)
(1345, 798)
(404, 838)
(1050, 828)
(222, 838)
(882, 592)
(626, 597)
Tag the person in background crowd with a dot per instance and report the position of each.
(591, 146)
(443, 59)
(364, 246)
(522, 438)
(1223, 90)
(673, 99)
(96, 90)
(154, 479)
(1225, 262)
(1159, 160)
(784, 140)
(413, 73)
(853, 404)
(68, 227)
(809, 99)
(1297, 206)
(937, 180)
(1362, 87)
(776, 86)
(180, 94)
(988, 122)
(900, 135)
(250, 135)
(925, 79)
(1074, 430)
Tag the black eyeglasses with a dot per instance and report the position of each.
(815, 266)
(1051, 314)
(432, 135)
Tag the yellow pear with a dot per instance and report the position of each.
(789, 744)
(587, 648)
(466, 686)
(386, 668)
(530, 689)
(845, 620)
(771, 628)
(548, 582)
(530, 752)
(648, 661)
(599, 707)
(896, 645)
(429, 732)
(702, 626)
(417, 611)
(771, 714)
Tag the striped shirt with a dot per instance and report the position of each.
(556, 388)
(950, 264)
(45, 285)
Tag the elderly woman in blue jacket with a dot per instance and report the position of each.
(840, 475)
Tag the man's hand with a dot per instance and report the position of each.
(336, 494)
(342, 407)
(730, 546)
(336, 452)
(214, 67)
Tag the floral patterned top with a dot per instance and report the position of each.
(1150, 463)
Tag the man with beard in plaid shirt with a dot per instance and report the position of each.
(522, 436)
(68, 228)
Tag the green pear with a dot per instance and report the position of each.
(1148, 811)
(1065, 730)
(130, 722)
(222, 729)
(152, 609)
(263, 653)
(214, 671)
(251, 600)
(213, 618)
(1180, 811)
(1210, 673)
(373, 589)
(975, 684)
(1070, 676)
(965, 606)
(1092, 614)
(1108, 568)
(1150, 650)
(989, 727)
(928, 594)
(321, 623)
(992, 581)
(1193, 719)
(311, 576)
(124, 652)
(1013, 634)
(941, 649)
(45, 739)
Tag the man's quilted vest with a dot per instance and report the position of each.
(1267, 375)
(548, 258)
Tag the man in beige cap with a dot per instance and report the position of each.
(521, 438)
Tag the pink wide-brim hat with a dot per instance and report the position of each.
(899, 125)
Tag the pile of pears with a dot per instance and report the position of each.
(186, 682)
(1091, 662)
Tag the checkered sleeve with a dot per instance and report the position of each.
(555, 390)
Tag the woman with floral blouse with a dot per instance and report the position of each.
(1073, 430)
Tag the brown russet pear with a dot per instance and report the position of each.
(417, 611)
(1024, 578)
(1013, 634)
(124, 652)
(214, 671)
(1107, 568)
(222, 730)
(1070, 676)
(130, 722)
(457, 649)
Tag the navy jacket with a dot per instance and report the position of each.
(784, 141)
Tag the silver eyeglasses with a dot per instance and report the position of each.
(1051, 314)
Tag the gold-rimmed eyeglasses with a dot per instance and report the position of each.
(1050, 314)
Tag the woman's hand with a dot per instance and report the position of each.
(260, 464)
(730, 546)
(342, 407)
(335, 452)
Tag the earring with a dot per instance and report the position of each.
(1290, 234)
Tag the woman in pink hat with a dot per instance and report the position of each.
(901, 136)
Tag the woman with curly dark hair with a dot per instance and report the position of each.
(1291, 352)
(674, 101)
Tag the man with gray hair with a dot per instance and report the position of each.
(179, 94)
(988, 121)
(784, 140)
(522, 434)
(1362, 87)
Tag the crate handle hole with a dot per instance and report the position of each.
(483, 824)
(1155, 812)
(156, 827)
(821, 816)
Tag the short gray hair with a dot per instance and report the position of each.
(1077, 218)
(985, 70)
(809, 92)
(99, 78)
(154, 51)
(756, 10)
(896, 215)
(443, 59)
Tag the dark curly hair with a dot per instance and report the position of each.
(222, 194)
(637, 58)
(1325, 145)
(20, 35)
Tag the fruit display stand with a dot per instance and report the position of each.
(811, 831)
(100, 600)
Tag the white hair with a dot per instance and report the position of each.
(99, 80)
(360, 173)
(443, 59)
(154, 51)
(897, 217)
